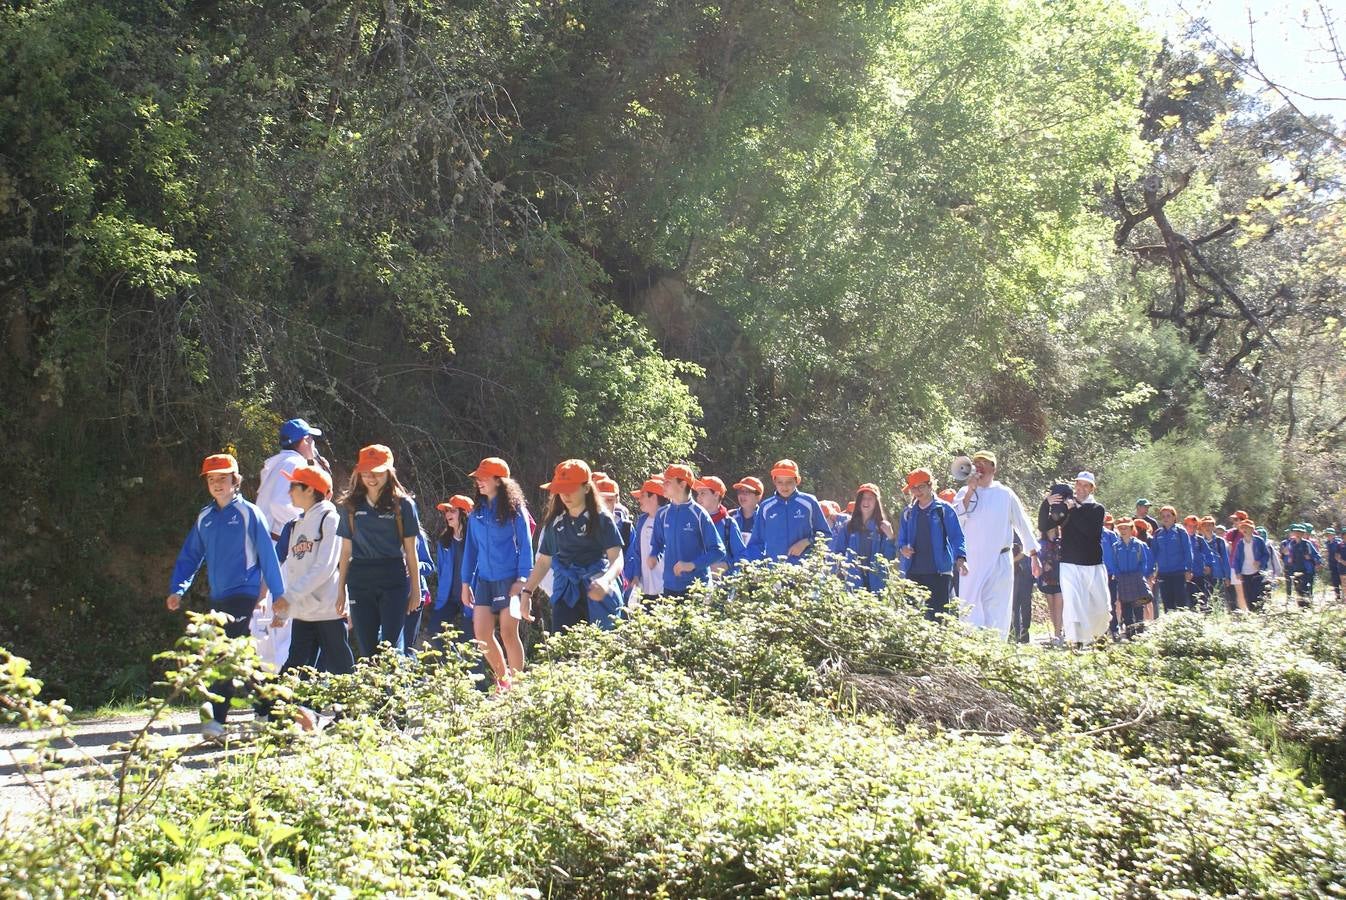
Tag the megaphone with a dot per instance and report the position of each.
(961, 468)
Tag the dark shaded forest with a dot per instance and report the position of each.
(860, 234)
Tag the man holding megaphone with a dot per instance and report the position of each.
(991, 515)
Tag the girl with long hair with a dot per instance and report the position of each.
(497, 560)
(582, 548)
(867, 536)
(378, 570)
(447, 608)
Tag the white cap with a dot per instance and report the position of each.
(1086, 476)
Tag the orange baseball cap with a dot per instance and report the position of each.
(831, 506)
(1190, 519)
(605, 486)
(1142, 525)
(653, 485)
(786, 468)
(947, 495)
(850, 508)
(374, 458)
(491, 466)
(1240, 515)
(312, 475)
(1124, 522)
(1207, 520)
(751, 484)
(1247, 523)
(677, 470)
(219, 464)
(570, 475)
(711, 483)
(919, 476)
(872, 488)
(457, 501)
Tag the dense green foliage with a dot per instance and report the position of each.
(861, 234)
(794, 740)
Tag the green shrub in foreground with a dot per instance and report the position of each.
(722, 749)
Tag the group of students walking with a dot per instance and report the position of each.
(359, 567)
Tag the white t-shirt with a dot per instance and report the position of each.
(651, 580)
(1250, 564)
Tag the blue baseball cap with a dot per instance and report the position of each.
(295, 430)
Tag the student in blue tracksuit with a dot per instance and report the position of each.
(749, 493)
(1286, 574)
(447, 610)
(233, 539)
(1303, 564)
(1251, 561)
(379, 568)
(1335, 551)
(684, 536)
(709, 494)
(1131, 566)
(789, 521)
(1172, 550)
(411, 629)
(497, 561)
(638, 580)
(866, 537)
(582, 549)
(1109, 539)
(1218, 560)
(1198, 588)
(930, 539)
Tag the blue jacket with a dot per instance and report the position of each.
(449, 563)
(1200, 555)
(685, 533)
(1122, 558)
(633, 562)
(570, 585)
(943, 521)
(1172, 549)
(1334, 549)
(495, 551)
(1219, 558)
(781, 523)
(234, 541)
(735, 548)
(1261, 553)
(427, 562)
(745, 527)
(860, 570)
(1304, 557)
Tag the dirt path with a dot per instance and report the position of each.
(87, 760)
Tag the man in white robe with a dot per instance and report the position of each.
(991, 514)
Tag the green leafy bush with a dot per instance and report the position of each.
(753, 740)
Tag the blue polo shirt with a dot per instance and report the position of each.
(373, 532)
(576, 541)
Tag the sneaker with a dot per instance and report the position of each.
(212, 730)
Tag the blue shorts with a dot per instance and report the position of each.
(495, 593)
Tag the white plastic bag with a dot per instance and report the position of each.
(273, 644)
